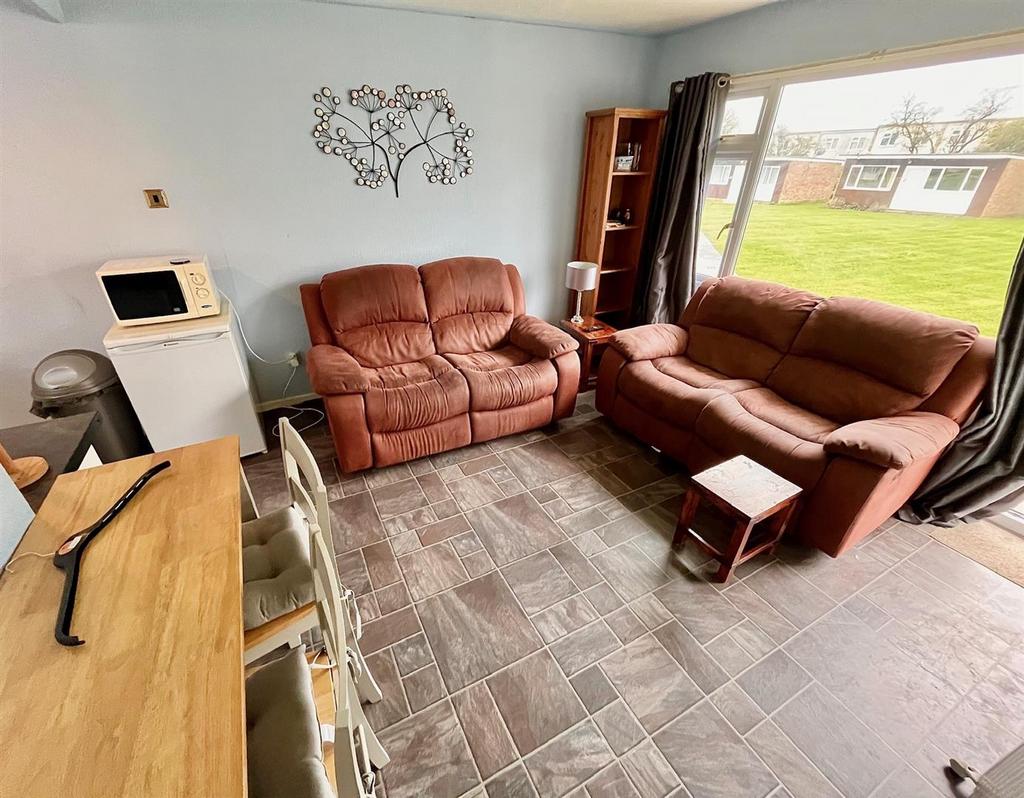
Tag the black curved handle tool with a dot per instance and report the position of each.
(68, 557)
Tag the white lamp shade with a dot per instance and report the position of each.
(581, 276)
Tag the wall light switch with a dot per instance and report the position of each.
(155, 197)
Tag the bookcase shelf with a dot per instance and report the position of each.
(604, 190)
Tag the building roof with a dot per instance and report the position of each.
(937, 156)
(829, 132)
(995, 120)
(802, 158)
(890, 126)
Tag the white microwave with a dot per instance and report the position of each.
(154, 290)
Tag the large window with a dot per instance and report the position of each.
(721, 174)
(857, 144)
(769, 174)
(953, 179)
(871, 178)
(922, 226)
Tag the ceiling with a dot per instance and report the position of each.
(625, 16)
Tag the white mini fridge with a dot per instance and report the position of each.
(188, 381)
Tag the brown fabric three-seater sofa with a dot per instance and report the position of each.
(851, 399)
(412, 362)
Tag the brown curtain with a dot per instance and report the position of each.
(669, 253)
(982, 474)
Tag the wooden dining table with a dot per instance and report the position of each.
(153, 704)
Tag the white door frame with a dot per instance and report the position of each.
(752, 148)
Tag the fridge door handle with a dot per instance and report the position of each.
(176, 343)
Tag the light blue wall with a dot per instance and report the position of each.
(214, 104)
(807, 31)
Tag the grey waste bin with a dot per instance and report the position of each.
(76, 381)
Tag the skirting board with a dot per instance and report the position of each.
(285, 401)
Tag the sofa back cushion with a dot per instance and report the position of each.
(378, 314)
(313, 309)
(856, 359)
(470, 302)
(742, 327)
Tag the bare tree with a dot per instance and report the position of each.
(786, 144)
(1006, 136)
(798, 146)
(977, 119)
(778, 139)
(913, 121)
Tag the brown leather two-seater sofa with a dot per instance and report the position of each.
(412, 362)
(851, 399)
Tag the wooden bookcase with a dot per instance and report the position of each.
(602, 190)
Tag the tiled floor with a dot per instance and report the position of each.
(534, 635)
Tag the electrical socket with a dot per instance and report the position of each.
(293, 359)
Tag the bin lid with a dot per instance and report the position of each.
(71, 374)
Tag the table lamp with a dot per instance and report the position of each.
(580, 276)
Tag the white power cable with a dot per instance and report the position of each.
(245, 340)
(284, 392)
(8, 569)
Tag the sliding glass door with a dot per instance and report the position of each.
(902, 183)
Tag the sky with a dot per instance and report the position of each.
(866, 101)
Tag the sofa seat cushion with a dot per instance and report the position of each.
(412, 395)
(282, 733)
(276, 574)
(765, 427)
(505, 377)
(797, 421)
(675, 389)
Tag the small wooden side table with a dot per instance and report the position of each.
(749, 508)
(593, 336)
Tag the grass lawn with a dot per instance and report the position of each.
(951, 265)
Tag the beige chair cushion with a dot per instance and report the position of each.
(275, 567)
(285, 757)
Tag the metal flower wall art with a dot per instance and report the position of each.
(378, 134)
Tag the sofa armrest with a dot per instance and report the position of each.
(893, 442)
(650, 341)
(539, 338)
(332, 370)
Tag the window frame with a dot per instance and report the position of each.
(770, 83)
(884, 183)
(968, 171)
(773, 169)
(731, 171)
(852, 144)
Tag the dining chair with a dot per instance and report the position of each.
(358, 753)
(284, 739)
(278, 595)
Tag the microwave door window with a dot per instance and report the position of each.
(145, 295)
